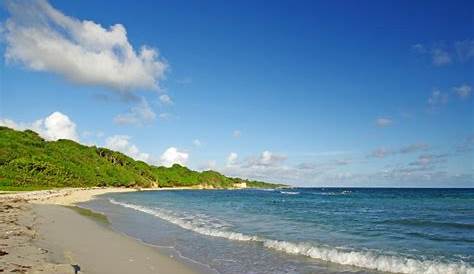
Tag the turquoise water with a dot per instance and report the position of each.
(305, 230)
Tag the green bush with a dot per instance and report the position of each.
(28, 161)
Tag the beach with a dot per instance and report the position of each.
(40, 234)
(299, 230)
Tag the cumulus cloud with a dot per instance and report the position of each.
(383, 122)
(55, 126)
(232, 159)
(166, 99)
(442, 54)
(122, 143)
(173, 156)
(438, 98)
(42, 38)
(440, 57)
(139, 114)
(266, 166)
(465, 50)
(265, 159)
(463, 91)
(425, 170)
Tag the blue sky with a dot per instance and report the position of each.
(311, 93)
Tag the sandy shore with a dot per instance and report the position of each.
(39, 235)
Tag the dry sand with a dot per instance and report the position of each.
(38, 235)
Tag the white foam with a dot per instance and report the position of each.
(188, 224)
(289, 192)
(370, 260)
(265, 189)
(364, 259)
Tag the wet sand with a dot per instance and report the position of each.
(40, 235)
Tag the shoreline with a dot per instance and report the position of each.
(43, 235)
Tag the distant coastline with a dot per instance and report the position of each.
(28, 162)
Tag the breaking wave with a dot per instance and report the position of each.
(289, 192)
(364, 259)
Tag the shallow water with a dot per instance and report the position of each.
(310, 230)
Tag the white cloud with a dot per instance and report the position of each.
(165, 116)
(383, 122)
(93, 134)
(265, 159)
(210, 165)
(419, 48)
(173, 156)
(59, 126)
(42, 38)
(55, 126)
(197, 143)
(426, 161)
(411, 148)
(414, 148)
(465, 50)
(423, 171)
(443, 54)
(139, 114)
(166, 99)
(463, 91)
(381, 153)
(440, 57)
(237, 133)
(122, 143)
(232, 159)
(437, 98)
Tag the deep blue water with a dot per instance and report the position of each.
(305, 230)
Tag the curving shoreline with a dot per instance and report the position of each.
(40, 235)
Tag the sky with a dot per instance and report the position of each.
(307, 93)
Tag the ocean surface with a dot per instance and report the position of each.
(304, 230)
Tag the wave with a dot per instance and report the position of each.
(364, 259)
(290, 192)
(344, 192)
(188, 223)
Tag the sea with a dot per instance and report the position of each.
(303, 230)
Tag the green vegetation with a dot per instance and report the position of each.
(28, 162)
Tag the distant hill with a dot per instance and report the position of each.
(27, 161)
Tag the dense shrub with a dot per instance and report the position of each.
(28, 161)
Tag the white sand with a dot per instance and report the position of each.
(56, 239)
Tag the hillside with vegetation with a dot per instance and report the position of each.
(27, 161)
